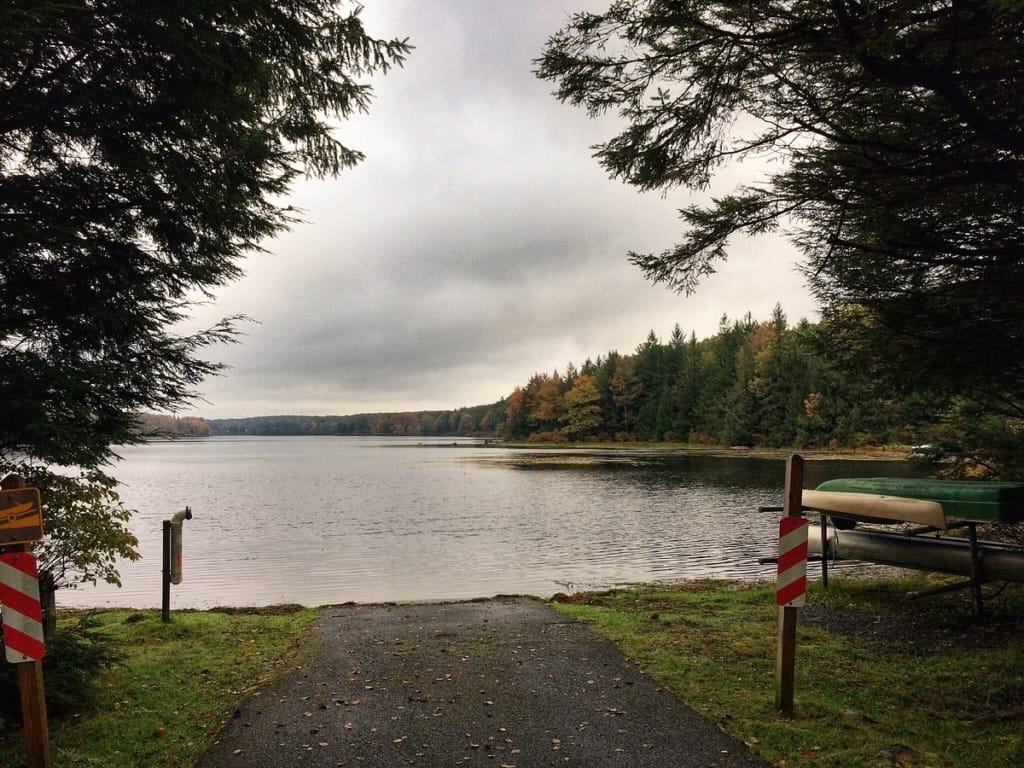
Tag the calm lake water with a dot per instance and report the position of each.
(319, 521)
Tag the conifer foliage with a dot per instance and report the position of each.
(143, 151)
(885, 138)
(754, 383)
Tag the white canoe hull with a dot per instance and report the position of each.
(874, 508)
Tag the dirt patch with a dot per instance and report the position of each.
(922, 625)
(282, 609)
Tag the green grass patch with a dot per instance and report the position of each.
(177, 684)
(881, 680)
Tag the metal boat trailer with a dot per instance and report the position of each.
(842, 504)
(919, 549)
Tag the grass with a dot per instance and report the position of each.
(881, 680)
(176, 686)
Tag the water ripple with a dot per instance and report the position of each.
(328, 520)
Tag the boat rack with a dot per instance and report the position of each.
(962, 505)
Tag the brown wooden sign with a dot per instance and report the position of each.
(21, 516)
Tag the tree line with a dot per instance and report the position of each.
(166, 425)
(753, 383)
(475, 421)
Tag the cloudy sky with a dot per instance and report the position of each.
(478, 243)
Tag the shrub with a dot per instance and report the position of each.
(75, 655)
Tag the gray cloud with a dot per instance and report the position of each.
(477, 244)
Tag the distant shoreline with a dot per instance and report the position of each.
(813, 454)
(887, 453)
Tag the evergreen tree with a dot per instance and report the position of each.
(145, 148)
(899, 133)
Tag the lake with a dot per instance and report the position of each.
(326, 520)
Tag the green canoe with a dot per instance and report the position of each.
(969, 500)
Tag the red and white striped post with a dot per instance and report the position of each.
(791, 587)
(794, 589)
(23, 614)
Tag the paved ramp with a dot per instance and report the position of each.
(498, 683)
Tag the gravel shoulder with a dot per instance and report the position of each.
(501, 683)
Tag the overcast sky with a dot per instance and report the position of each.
(478, 243)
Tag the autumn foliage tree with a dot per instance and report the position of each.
(581, 408)
(544, 399)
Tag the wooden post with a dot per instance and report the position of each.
(165, 573)
(33, 712)
(785, 660)
(30, 684)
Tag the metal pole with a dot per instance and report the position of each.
(165, 609)
(976, 574)
(824, 550)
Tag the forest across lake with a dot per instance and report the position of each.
(754, 384)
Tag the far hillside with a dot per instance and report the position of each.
(478, 421)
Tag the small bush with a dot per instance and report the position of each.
(75, 655)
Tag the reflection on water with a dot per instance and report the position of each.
(328, 520)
